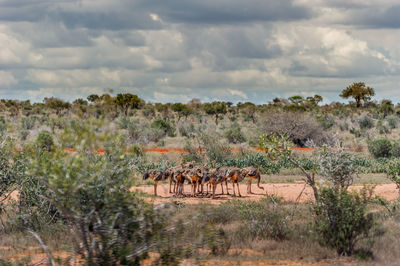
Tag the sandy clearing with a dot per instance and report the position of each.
(289, 192)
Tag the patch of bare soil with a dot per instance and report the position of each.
(289, 192)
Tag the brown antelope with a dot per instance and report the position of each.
(234, 175)
(155, 175)
(251, 173)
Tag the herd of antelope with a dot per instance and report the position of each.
(198, 176)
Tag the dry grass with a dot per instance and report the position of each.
(298, 249)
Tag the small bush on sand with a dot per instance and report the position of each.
(342, 220)
(44, 140)
(380, 148)
(366, 122)
(234, 134)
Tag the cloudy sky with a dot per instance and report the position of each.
(176, 50)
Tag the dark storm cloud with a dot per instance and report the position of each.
(226, 11)
(388, 17)
(105, 15)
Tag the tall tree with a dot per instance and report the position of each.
(128, 101)
(296, 99)
(359, 92)
(93, 97)
(249, 109)
(181, 109)
(216, 109)
(56, 104)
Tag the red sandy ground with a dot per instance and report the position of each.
(289, 192)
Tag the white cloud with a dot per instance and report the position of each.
(238, 93)
(164, 52)
(7, 79)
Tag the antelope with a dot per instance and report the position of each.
(155, 175)
(251, 173)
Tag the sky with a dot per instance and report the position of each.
(177, 50)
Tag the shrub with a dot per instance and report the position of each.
(3, 124)
(163, 125)
(12, 167)
(393, 172)
(326, 121)
(344, 127)
(234, 134)
(192, 154)
(298, 126)
(124, 122)
(215, 149)
(23, 134)
(187, 130)
(260, 220)
(382, 129)
(392, 121)
(341, 220)
(134, 129)
(380, 147)
(111, 225)
(45, 141)
(28, 123)
(255, 160)
(263, 219)
(152, 134)
(366, 122)
(395, 151)
(337, 166)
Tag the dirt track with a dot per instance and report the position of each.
(289, 192)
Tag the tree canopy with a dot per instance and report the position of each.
(359, 92)
(215, 108)
(128, 101)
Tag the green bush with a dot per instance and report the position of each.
(23, 134)
(382, 129)
(326, 121)
(28, 123)
(392, 121)
(380, 147)
(214, 148)
(395, 151)
(192, 154)
(187, 130)
(393, 171)
(165, 126)
(263, 219)
(366, 122)
(260, 220)
(45, 141)
(12, 167)
(3, 124)
(234, 134)
(92, 193)
(342, 220)
(337, 166)
(255, 160)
